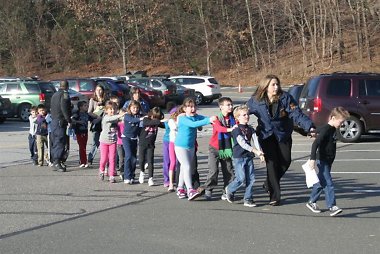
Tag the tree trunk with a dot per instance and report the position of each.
(254, 49)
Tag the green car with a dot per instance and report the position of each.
(25, 94)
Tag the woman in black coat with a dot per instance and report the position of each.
(276, 113)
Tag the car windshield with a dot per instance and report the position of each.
(167, 82)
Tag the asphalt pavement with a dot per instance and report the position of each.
(43, 211)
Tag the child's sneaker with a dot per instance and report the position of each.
(208, 195)
(85, 166)
(141, 177)
(335, 210)
(313, 207)
(101, 176)
(150, 181)
(112, 179)
(181, 193)
(223, 197)
(249, 203)
(193, 194)
(127, 181)
(229, 196)
(81, 165)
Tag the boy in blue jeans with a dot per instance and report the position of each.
(324, 150)
(243, 153)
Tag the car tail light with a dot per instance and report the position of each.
(42, 97)
(211, 86)
(75, 98)
(166, 92)
(317, 104)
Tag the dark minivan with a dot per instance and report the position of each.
(359, 93)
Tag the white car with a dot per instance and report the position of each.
(206, 88)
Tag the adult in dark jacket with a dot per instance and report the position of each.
(276, 111)
(60, 110)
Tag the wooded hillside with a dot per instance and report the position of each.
(235, 40)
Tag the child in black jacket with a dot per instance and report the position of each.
(147, 139)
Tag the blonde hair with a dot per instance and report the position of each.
(261, 91)
(339, 112)
(239, 109)
(177, 112)
(110, 104)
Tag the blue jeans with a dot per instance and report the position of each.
(130, 159)
(244, 173)
(325, 184)
(95, 145)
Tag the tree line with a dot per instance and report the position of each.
(203, 34)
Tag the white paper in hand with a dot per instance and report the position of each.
(311, 175)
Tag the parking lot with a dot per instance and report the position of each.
(48, 212)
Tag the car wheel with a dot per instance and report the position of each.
(198, 98)
(2, 119)
(350, 130)
(23, 112)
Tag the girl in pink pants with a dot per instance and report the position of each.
(108, 138)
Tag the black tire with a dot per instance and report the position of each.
(198, 98)
(23, 112)
(351, 130)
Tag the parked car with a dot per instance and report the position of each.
(5, 109)
(295, 91)
(114, 87)
(206, 88)
(359, 93)
(25, 94)
(76, 97)
(84, 86)
(153, 97)
(184, 92)
(167, 88)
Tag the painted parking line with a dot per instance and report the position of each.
(343, 160)
(343, 151)
(367, 191)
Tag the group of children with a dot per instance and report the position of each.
(39, 143)
(233, 145)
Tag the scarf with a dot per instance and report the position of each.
(225, 139)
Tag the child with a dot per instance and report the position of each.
(243, 153)
(80, 122)
(120, 149)
(185, 146)
(324, 150)
(172, 123)
(130, 135)
(171, 108)
(32, 134)
(220, 148)
(41, 134)
(147, 139)
(107, 139)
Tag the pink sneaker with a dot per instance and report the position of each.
(193, 194)
(181, 193)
